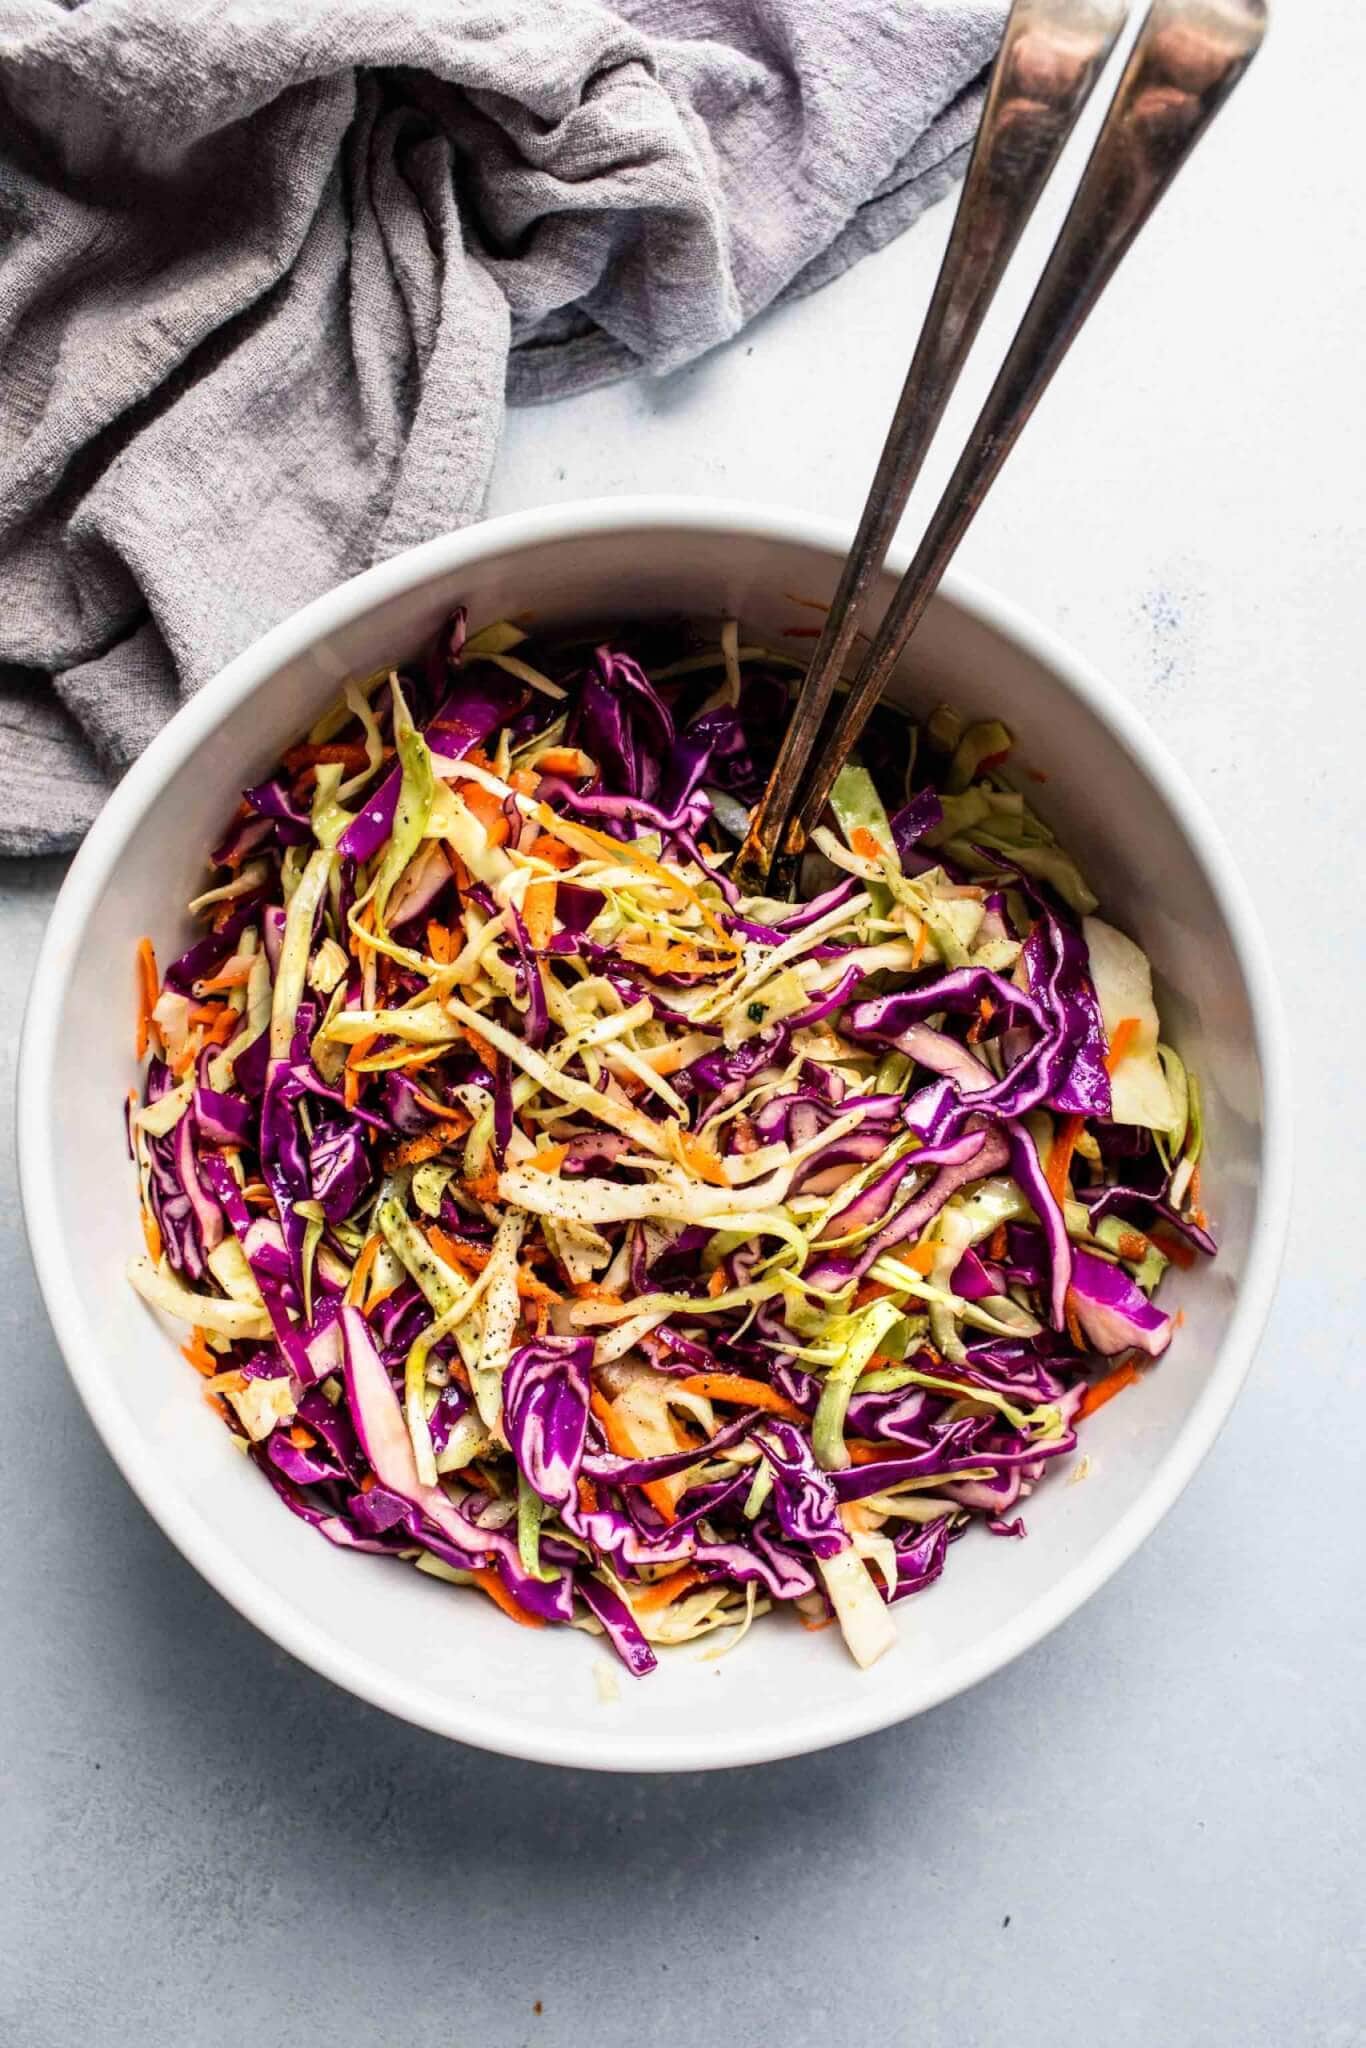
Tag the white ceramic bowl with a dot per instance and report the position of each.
(448, 1660)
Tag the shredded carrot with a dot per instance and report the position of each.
(1105, 1390)
(149, 984)
(440, 944)
(198, 1354)
(360, 1272)
(663, 1592)
(478, 1044)
(216, 1401)
(863, 1453)
(484, 1186)
(236, 975)
(152, 1234)
(589, 1290)
(1074, 1329)
(344, 753)
(717, 1283)
(552, 851)
(1179, 1320)
(204, 1013)
(700, 1159)
(369, 1483)
(917, 955)
(489, 1582)
(1132, 1244)
(487, 808)
(920, 1258)
(813, 1628)
(466, 1257)
(1126, 1031)
(588, 1497)
(538, 913)
(457, 1116)
(657, 958)
(1060, 1155)
(748, 1393)
(351, 1079)
(563, 761)
(1173, 1248)
(997, 1244)
(224, 1026)
(360, 941)
(414, 1151)
(548, 1160)
(531, 1289)
(866, 844)
(301, 1438)
(619, 1439)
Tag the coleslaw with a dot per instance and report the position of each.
(551, 1218)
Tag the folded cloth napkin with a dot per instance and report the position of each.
(270, 270)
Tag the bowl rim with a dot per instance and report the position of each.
(174, 1511)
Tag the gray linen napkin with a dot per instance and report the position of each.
(270, 269)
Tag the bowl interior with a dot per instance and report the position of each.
(446, 1658)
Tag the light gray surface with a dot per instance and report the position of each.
(201, 1842)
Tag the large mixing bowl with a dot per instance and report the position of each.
(444, 1658)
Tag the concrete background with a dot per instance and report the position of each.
(1148, 1830)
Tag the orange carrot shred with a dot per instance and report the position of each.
(663, 1592)
(478, 1044)
(1126, 1031)
(865, 843)
(301, 1438)
(489, 1582)
(198, 1354)
(549, 1159)
(1105, 1390)
(657, 1491)
(467, 1257)
(360, 1272)
(561, 761)
(717, 1283)
(152, 1234)
(487, 808)
(1173, 1248)
(538, 913)
(552, 851)
(444, 1110)
(748, 1393)
(149, 984)
(917, 955)
(413, 1151)
(1074, 1329)
(1060, 1154)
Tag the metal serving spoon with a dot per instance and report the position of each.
(1187, 58)
(1051, 54)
